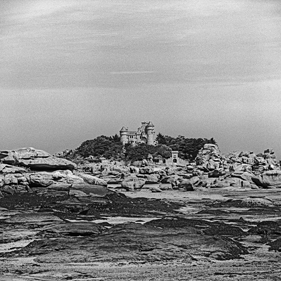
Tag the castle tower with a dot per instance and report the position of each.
(150, 133)
(124, 135)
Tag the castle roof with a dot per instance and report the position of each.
(150, 124)
(123, 129)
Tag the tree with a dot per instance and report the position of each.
(188, 147)
(108, 147)
(111, 148)
(161, 139)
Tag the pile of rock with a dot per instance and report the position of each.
(23, 169)
(35, 159)
(27, 168)
(212, 169)
(238, 169)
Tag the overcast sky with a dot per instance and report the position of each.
(72, 70)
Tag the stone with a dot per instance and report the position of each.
(13, 156)
(40, 179)
(231, 182)
(96, 190)
(146, 170)
(132, 183)
(152, 179)
(209, 151)
(186, 185)
(10, 179)
(173, 180)
(76, 228)
(92, 179)
(2, 182)
(8, 157)
(194, 180)
(8, 189)
(165, 187)
(256, 201)
(269, 179)
(50, 163)
(59, 186)
(10, 169)
(134, 169)
(31, 153)
(216, 173)
(243, 175)
(219, 184)
(40, 218)
(155, 189)
(67, 176)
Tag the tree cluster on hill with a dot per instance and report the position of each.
(141, 151)
(188, 147)
(102, 146)
(111, 148)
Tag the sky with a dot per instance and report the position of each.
(71, 70)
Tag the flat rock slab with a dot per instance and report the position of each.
(33, 218)
(211, 239)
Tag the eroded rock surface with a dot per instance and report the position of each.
(216, 215)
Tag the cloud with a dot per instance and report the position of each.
(131, 72)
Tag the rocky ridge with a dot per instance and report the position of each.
(60, 222)
(25, 168)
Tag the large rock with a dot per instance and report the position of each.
(13, 156)
(31, 153)
(10, 179)
(91, 189)
(50, 163)
(146, 170)
(209, 151)
(153, 178)
(40, 179)
(76, 228)
(256, 201)
(9, 169)
(174, 180)
(35, 159)
(132, 183)
(231, 182)
(59, 186)
(92, 179)
(246, 176)
(269, 179)
(186, 184)
(8, 157)
(67, 176)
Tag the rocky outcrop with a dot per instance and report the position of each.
(27, 168)
(10, 169)
(50, 163)
(132, 183)
(186, 185)
(269, 179)
(12, 156)
(152, 179)
(35, 159)
(92, 179)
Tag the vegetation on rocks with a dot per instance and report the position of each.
(111, 148)
(108, 147)
(188, 147)
(142, 151)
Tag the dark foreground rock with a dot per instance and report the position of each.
(55, 235)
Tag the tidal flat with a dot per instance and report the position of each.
(215, 234)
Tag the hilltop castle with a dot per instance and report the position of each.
(144, 134)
